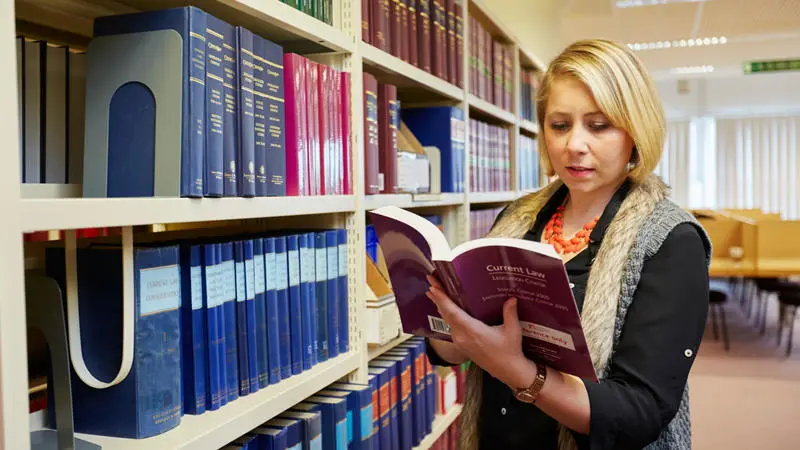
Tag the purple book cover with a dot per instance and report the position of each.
(480, 276)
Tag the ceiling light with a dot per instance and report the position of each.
(699, 42)
(691, 70)
(723, 40)
(638, 3)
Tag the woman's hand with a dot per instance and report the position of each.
(496, 349)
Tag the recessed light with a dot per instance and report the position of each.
(660, 45)
(691, 70)
(639, 3)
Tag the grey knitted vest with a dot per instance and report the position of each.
(636, 233)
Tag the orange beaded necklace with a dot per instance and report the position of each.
(554, 234)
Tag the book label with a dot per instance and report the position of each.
(196, 277)
(367, 417)
(281, 270)
(341, 435)
(294, 272)
(547, 334)
(258, 268)
(249, 278)
(240, 282)
(160, 289)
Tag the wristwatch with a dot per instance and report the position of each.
(531, 393)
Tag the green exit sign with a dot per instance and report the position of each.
(772, 66)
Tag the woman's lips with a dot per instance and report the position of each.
(579, 172)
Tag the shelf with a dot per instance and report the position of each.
(530, 127)
(214, 429)
(75, 213)
(485, 109)
(413, 83)
(440, 426)
(528, 59)
(411, 201)
(374, 352)
(492, 197)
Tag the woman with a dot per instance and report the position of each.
(639, 265)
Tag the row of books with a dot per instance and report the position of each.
(481, 221)
(394, 411)
(528, 83)
(426, 33)
(449, 439)
(254, 121)
(528, 163)
(319, 9)
(215, 319)
(490, 157)
(491, 67)
(50, 85)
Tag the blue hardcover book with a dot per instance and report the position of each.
(405, 409)
(246, 113)
(284, 314)
(273, 331)
(394, 399)
(388, 415)
(230, 129)
(343, 299)
(216, 394)
(334, 420)
(332, 257)
(308, 294)
(215, 108)
(371, 240)
(443, 127)
(131, 146)
(374, 387)
(312, 427)
(250, 441)
(229, 318)
(301, 344)
(293, 429)
(268, 71)
(272, 438)
(225, 285)
(417, 351)
(193, 330)
(241, 319)
(321, 268)
(262, 341)
(252, 318)
(148, 401)
(359, 412)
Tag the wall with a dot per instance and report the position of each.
(536, 23)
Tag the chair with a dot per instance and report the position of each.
(766, 286)
(789, 298)
(717, 299)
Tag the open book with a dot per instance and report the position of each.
(480, 275)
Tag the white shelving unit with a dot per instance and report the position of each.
(47, 208)
(440, 425)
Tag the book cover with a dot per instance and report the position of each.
(417, 350)
(387, 403)
(359, 400)
(388, 121)
(450, 7)
(424, 36)
(229, 317)
(332, 280)
(293, 429)
(480, 275)
(402, 387)
(414, 383)
(413, 33)
(297, 183)
(282, 309)
(193, 330)
(321, 288)
(252, 318)
(311, 427)
(230, 147)
(308, 295)
(372, 179)
(246, 113)
(314, 162)
(273, 264)
(377, 414)
(301, 358)
(269, 61)
(260, 309)
(215, 343)
(344, 295)
(241, 319)
(271, 438)
(347, 138)
(225, 283)
(366, 10)
(334, 419)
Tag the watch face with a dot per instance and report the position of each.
(525, 397)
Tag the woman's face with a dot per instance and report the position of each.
(585, 150)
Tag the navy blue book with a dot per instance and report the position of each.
(332, 246)
(443, 127)
(374, 387)
(246, 113)
(334, 419)
(359, 412)
(283, 317)
(273, 331)
(418, 405)
(272, 438)
(215, 108)
(268, 71)
(404, 398)
(293, 429)
(311, 427)
(321, 267)
(308, 295)
(229, 318)
(394, 400)
(301, 344)
(230, 127)
(249, 441)
(193, 330)
(241, 319)
(262, 341)
(252, 318)
(216, 394)
(226, 288)
(371, 240)
(131, 163)
(344, 312)
(148, 401)
(383, 382)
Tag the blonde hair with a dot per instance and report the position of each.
(623, 91)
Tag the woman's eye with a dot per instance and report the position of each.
(599, 126)
(559, 126)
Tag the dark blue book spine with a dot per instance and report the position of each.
(405, 410)
(321, 268)
(260, 115)
(284, 317)
(250, 295)
(443, 127)
(230, 141)
(385, 400)
(301, 359)
(308, 293)
(374, 387)
(262, 342)
(223, 293)
(430, 390)
(343, 293)
(215, 109)
(193, 336)
(332, 248)
(211, 283)
(273, 330)
(247, 138)
(367, 421)
(241, 319)
(270, 56)
(229, 318)
(417, 404)
(197, 107)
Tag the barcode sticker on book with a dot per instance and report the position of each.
(438, 325)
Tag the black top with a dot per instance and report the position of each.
(651, 363)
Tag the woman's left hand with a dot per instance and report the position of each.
(496, 349)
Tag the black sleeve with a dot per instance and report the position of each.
(657, 347)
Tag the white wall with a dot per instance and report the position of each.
(537, 24)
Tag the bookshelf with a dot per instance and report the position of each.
(59, 207)
(440, 425)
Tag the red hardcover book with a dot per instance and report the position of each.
(459, 13)
(438, 56)
(451, 40)
(323, 116)
(443, 40)
(413, 33)
(508, 77)
(313, 154)
(481, 62)
(336, 126)
(387, 128)
(472, 157)
(497, 60)
(366, 18)
(296, 99)
(473, 56)
(379, 24)
(372, 183)
(347, 139)
(424, 43)
(396, 30)
(405, 38)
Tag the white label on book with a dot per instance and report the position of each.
(212, 285)
(321, 265)
(438, 325)
(342, 260)
(229, 281)
(294, 268)
(159, 289)
(196, 277)
(258, 271)
(250, 279)
(306, 265)
(333, 260)
(546, 334)
(240, 293)
(272, 279)
(281, 271)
